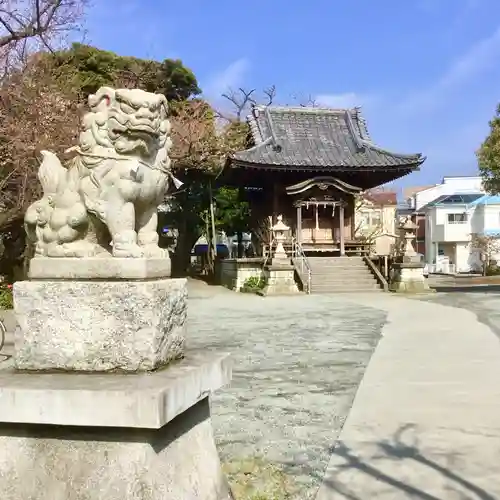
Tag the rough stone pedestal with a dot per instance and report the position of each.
(281, 279)
(409, 277)
(99, 325)
(112, 436)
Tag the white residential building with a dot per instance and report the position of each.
(451, 220)
(450, 185)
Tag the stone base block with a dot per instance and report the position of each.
(281, 280)
(98, 268)
(143, 400)
(117, 437)
(99, 325)
(409, 278)
(410, 286)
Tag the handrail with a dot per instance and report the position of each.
(380, 278)
(298, 254)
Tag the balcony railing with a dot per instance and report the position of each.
(440, 268)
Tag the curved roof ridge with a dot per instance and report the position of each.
(358, 140)
(305, 109)
(363, 126)
(258, 146)
(272, 131)
(362, 138)
(255, 129)
(371, 145)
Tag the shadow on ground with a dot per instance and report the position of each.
(396, 449)
(468, 289)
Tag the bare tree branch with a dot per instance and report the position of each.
(26, 26)
(36, 112)
(270, 93)
(308, 101)
(240, 99)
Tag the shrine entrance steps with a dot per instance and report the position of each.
(341, 274)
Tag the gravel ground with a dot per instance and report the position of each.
(298, 363)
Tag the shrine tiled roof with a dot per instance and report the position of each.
(317, 139)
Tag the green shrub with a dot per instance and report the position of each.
(6, 300)
(492, 270)
(254, 283)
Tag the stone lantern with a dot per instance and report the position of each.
(280, 272)
(408, 230)
(280, 229)
(408, 270)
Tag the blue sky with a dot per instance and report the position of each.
(426, 72)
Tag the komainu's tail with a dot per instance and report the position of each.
(52, 174)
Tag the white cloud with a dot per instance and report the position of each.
(232, 76)
(340, 101)
(480, 57)
(345, 100)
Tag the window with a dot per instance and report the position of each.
(363, 218)
(375, 218)
(457, 218)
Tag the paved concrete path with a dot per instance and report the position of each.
(425, 423)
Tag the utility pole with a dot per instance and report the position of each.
(212, 220)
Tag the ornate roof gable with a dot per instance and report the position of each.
(317, 138)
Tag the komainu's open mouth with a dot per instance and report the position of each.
(142, 128)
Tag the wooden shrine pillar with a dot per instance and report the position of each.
(276, 202)
(341, 228)
(298, 236)
(240, 249)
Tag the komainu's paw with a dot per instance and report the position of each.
(154, 252)
(128, 251)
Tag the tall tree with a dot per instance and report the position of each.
(31, 107)
(41, 102)
(90, 68)
(200, 147)
(488, 156)
(240, 102)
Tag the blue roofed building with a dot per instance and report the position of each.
(451, 222)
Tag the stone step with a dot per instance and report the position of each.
(326, 280)
(342, 274)
(337, 269)
(345, 285)
(346, 290)
(337, 262)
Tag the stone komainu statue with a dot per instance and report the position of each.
(105, 201)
